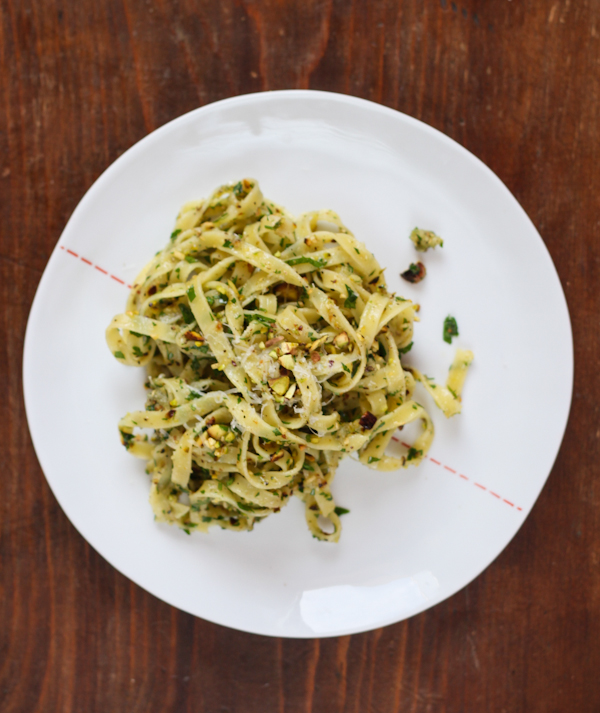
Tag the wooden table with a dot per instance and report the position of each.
(517, 83)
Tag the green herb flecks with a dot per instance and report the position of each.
(260, 318)
(186, 313)
(413, 453)
(350, 302)
(450, 329)
(318, 264)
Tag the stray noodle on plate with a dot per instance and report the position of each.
(273, 349)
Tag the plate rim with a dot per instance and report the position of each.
(266, 96)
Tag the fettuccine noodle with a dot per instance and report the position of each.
(273, 350)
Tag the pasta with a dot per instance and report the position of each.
(273, 350)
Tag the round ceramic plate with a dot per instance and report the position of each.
(412, 537)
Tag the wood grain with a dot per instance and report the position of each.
(517, 83)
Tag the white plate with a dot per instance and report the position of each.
(413, 537)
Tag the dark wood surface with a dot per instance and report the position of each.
(517, 83)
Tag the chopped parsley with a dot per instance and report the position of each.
(175, 233)
(319, 263)
(406, 349)
(450, 329)
(191, 293)
(350, 302)
(260, 318)
(413, 453)
(120, 355)
(247, 508)
(186, 313)
(126, 438)
(341, 511)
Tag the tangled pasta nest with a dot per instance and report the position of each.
(273, 349)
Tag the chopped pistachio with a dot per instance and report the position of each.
(217, 431)
(280, 385)
(341, 341)
(317, 343)
(425, 239)
(289, 347)
(287, 361)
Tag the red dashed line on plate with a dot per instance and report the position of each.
(464, 477)
(433, 460)
(91, 264)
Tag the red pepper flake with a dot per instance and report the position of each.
(152, 290)
(367, 421)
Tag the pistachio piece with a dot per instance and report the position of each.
(287, 362)
(289, 347)
(273, 342)
(317, 343)
(218, 431)
(280, 385)
(341, 341)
